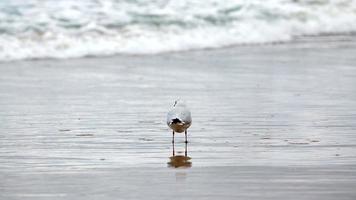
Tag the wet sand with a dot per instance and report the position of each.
(196, 183)
(269, 121)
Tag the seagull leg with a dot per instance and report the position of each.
(173, 137)
(186, 141)
(186, 150)
(174, 152)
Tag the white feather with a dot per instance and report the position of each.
(179, 111)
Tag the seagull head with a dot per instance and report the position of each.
(179, 103)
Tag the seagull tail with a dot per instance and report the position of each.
(176, 121)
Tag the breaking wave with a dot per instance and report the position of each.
(32, 29)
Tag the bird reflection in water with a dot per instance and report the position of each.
(179, 160)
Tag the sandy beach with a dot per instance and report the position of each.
(274, 121)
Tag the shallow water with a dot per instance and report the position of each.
(286, 110)
(266, 105)
(199, 183)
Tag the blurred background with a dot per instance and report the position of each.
(65, 28)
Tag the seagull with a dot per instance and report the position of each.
(179, 118)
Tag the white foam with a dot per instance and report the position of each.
(69, 29)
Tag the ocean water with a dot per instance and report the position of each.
(33, 29)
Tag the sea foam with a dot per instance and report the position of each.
(35, 29)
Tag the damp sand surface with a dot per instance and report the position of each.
(269, 122)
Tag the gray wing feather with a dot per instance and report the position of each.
(181, 113)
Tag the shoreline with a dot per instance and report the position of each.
(109, 101)
(339, 38)
(258, 112)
